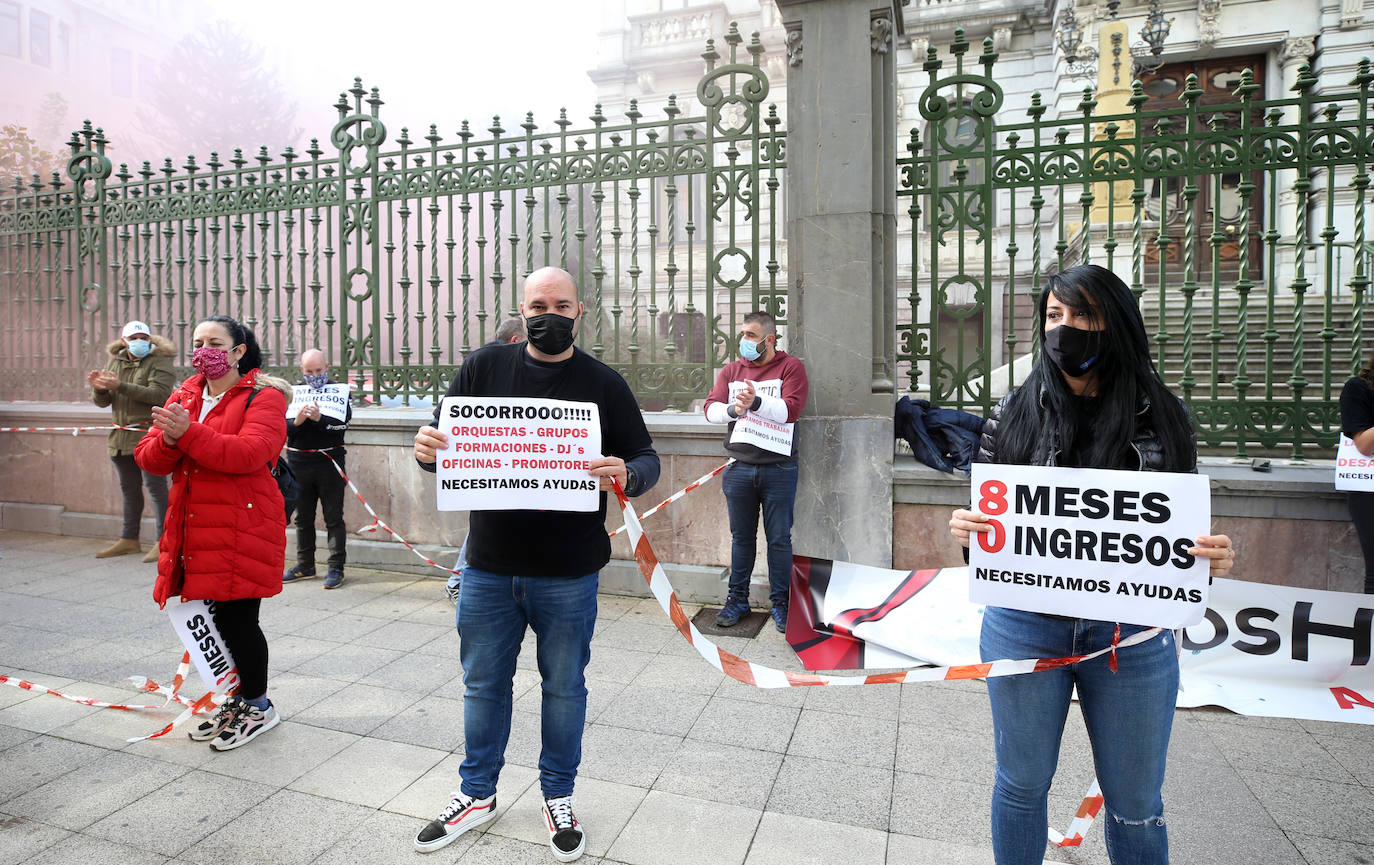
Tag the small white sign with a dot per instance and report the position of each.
(1354, 470)
(518, 453)
(194, 622)
(758, 431)
(332, 400)
(1091, 543)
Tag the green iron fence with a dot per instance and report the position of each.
(1255, 302)
(399, 261)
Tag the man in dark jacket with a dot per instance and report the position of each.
(312, 437)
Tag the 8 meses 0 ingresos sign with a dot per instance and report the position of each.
(1091, 543)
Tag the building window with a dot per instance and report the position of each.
(121, 72)
(9, 29)
(40, 38)
(147, 74)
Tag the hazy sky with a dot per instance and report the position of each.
(435, 62)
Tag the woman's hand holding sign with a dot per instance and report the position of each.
(963, 523)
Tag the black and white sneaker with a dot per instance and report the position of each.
(215, 724)
(462, 814)
(566, 838)
(250, 723)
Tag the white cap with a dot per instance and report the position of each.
(134, 327)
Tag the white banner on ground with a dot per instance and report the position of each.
(757, 431)
(518, 453)
(1354, 470)
(194, 622)
(1091, 543)
(1270, 651)
(332, 400)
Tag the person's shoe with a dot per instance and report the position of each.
(121, 547)
(451, 592)
(248, 724)
(299, 572)
(461, 815)
(333, 578)
(780, 617)
(151, 555)
(216, 723)
(566, 838)
(735, 609)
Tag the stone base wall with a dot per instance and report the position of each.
(1291, 527)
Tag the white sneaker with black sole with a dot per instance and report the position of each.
(213, 725)
(250, 723)
(566, 838)
(463, 813)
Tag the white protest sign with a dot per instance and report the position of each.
(758, 431)
(332, 400)
(1091, 543)
(194, 622)
(518, 453)
(1354, 470)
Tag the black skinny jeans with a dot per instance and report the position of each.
(238, 625)
(1362, 514)
(132, 479)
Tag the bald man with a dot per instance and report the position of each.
(535, 569)
(315, 437)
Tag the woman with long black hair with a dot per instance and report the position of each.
(225, 534)
(1092, 400)
(1357, 422)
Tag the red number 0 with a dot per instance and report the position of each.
(993, 502)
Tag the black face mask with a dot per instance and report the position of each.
(1074, 351)
(550, 333)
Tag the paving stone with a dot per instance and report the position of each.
(656, 709)
(289, 828)
(874, 701)
(616, 664)
(836, 792)
(81, 797)
(1315, 806)
(865, 741)
(655, 833)
(413, 672)
(293, 693)
(430, 722)
(923, 805)
(1284, 751)
(1195, 836)
(348, 662)
(431, 792)
(12, 736)
(403, 636)
(84, 848)
(281, 755)
(791, 840)
(383, 838)
(22, 839)
(632, 757)
(1330, 851)
(637, 636)
(368, 772)
(931, 705)
(959, 755)
(909, 850)
(31, 764)
(723, 773)
(358, 708)
(753, 725)
(174, 817)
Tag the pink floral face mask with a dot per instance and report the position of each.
(210, 362)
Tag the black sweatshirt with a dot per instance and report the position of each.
(553, 543)
(317, 435)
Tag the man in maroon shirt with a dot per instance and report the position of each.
(760, 396)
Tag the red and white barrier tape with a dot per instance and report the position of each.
(207, 703)
(1087, 812)
(74, 430)
(680, 493)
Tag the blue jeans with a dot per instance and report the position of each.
(1129, 715)
(773, 488)
(491, 623)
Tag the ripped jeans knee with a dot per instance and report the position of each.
(1136, 840)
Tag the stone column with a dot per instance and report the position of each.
(1295, 52)
(1113, 93)
(841, 230)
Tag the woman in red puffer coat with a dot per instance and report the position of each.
(224, 538)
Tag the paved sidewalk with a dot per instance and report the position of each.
(680, 765)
